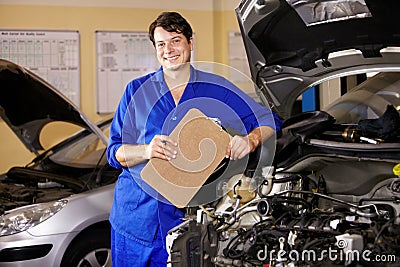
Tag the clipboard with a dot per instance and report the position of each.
(201, 147)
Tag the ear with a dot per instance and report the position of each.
(191, 43)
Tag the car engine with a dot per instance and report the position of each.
(23, 186)
(324, 202)
(299, 224)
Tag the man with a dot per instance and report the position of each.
(149, 110)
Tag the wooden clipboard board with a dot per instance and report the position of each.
(201, 147)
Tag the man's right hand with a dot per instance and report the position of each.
(163, 147)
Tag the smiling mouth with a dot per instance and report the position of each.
(171, 59)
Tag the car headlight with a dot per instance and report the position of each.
(27, 217)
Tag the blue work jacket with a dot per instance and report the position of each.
(147, 108)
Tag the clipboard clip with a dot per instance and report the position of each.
(216, 121)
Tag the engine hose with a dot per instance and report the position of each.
(383, 229)
(239, 212)
(319, 242)
(285, 179)
(295, 200)
(209, 213)
(376, 199)
(274, 233)
(233, 243)
(354, 208)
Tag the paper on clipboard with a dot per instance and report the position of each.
(201, 147)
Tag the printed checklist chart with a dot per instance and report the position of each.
(121, 57)
(52, 55)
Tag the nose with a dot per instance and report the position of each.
(168, 47)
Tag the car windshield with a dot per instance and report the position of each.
(84, 152)
(368, 100)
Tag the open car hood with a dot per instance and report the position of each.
(292, 45)
(28, 103)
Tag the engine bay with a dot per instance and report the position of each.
(291, 220)
(327, 200)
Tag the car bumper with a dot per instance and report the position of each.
(24, 249)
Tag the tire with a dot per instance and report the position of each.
(92, 249)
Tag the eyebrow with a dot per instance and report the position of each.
(173, 38)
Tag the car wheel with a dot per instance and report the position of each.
(90, 250)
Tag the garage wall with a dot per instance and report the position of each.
(211, 21)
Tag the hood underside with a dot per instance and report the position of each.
(28, 103)
(292, 45)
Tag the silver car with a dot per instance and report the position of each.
(54, 210)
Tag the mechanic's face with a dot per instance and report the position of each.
(173, 49)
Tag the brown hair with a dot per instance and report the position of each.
(171, 22)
